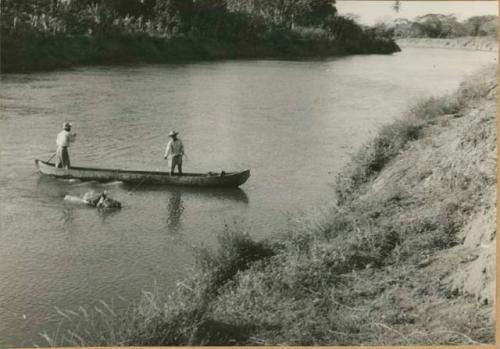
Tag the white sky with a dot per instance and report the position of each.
(372, 11)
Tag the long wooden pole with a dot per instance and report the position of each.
(52, 157)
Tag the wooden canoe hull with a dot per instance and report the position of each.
(230, 179)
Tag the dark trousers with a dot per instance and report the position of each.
(176, 161)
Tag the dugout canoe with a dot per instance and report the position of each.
(210, 179)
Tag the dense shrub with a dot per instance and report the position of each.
(237, 251)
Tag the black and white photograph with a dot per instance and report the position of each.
(248, 173)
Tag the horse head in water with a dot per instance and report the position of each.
(107, 202)
(100, 200)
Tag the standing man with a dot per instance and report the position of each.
(175, 148)
(64, 138)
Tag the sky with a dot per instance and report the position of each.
(371, 12)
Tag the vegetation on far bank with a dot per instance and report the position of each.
(474, 43)
(444, 31)
(405, 254)
(440, 26)
(49, 34)
(32, 54)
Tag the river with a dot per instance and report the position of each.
(293, 123)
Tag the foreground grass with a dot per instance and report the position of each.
(405, 254)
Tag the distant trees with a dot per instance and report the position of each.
(383, 29)
(288, 13)
(200, 18)
(45, 34)
(344, 29)
(228, 19)
(437, 25)
(277, 22)
(96, 17)
(317, 13)
(445, 26)
(482, 26)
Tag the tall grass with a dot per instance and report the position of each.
(181, 318)
(375, 155)
(236, 252)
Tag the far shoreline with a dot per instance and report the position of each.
(30, 55)
(60, 53)
(466, 43)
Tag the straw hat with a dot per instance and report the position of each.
(173, 133)
(66, 125)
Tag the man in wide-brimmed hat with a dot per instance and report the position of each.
(175, 148)
(64, 138)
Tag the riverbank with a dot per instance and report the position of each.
(37, 54)
(477, 43)
(405, 254)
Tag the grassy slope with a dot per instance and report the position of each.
(406, 254)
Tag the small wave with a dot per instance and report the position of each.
(70, 180)
(113, 183)
(80, 183)
(74, 199)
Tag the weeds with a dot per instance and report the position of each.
(430, 108)
(372, 158)
(237, 251)
(181, 318)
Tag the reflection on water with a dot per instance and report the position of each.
(175, 208)
(175, 204)
(132, 196)
(67, 217)
(224, 194)
(106, 213)
(51, 187)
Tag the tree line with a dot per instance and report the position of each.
(440, 26)
(49, 34)
(247, 20)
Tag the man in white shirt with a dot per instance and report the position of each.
(175, 148)
(64, 138)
